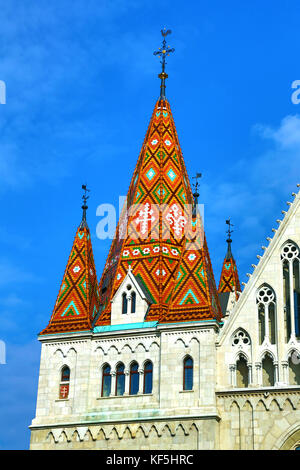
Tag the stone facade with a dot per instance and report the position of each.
(246, 378)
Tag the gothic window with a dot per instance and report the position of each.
(120, 379)
(148, 377)
(268, 371)
(290, 257)
(64, 383)
(242, 372)
(134, 379)
(294, 368)
(266, 303)
(106, 381)
(188, 373)
(124, 303)
(133, 302)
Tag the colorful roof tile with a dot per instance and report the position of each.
(151, 236)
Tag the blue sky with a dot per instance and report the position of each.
(81, 84)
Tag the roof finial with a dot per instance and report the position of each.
(196, 194)
(163, 51)
(229, 240)
(84, 207)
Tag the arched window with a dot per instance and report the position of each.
(294, 368)
(133, 302)
(148, 377)
(266, 302)
(134, 379)
(242, 372)
(124, 303)
(268, 371)
(188, 373)
(106, 381)
(120, 379)
(64, 386)
(290, 258)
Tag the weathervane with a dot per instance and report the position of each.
(162, 52)
(196, 194)
(84, 207)
(229, 231)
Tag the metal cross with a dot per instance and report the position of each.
(164, 50)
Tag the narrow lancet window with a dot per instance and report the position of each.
(124, 303)
(290, 256)
(266, 304)
(64, 386)
(148, 377)
(134, 379)
(120, 379)
(133, 302)
(242, 373)
(188, 373)
(106, 381)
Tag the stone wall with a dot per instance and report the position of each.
(259, 420)
(172, 435)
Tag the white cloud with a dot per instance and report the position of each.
(254, 192)
(287, 135)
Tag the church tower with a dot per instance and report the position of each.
(155, 357)
(142, 333)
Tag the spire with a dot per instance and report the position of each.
(153, 236)
(229, 232)
(78, 299)
(162, 52)
(229, 281)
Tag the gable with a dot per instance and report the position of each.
(131, 302)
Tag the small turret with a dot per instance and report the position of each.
(229, 281)
(78, 299)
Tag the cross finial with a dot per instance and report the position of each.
(84, 207)
(162, 52)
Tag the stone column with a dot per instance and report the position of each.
(128, 304)
(127, 381)
(258, 366)
(285, 369)
(141, 382)
(232, 368)
(276, 374)
(113, 384)
(250, 378)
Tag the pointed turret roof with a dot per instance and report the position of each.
(152, 239)
(229, 280)
(78, 299)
